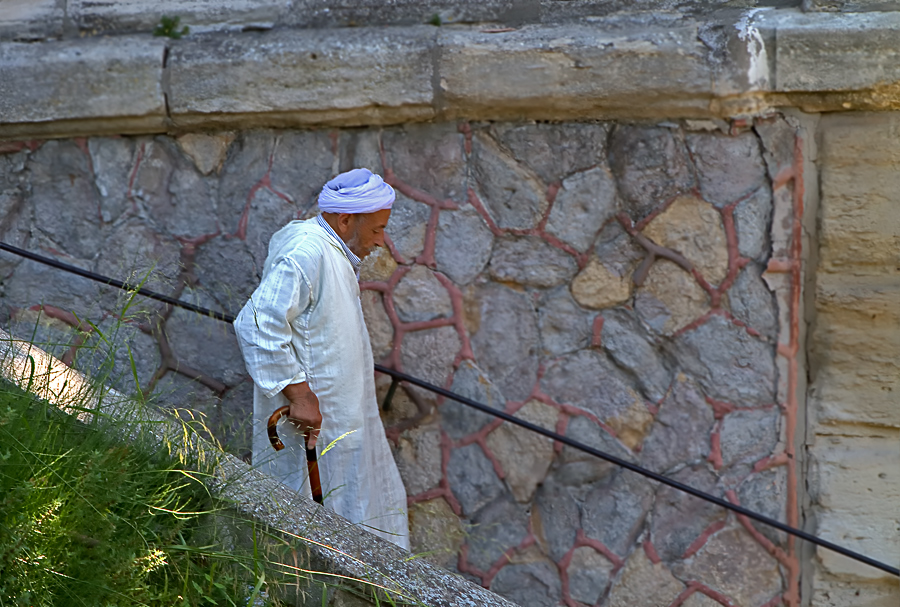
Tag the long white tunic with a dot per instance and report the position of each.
(305, 323)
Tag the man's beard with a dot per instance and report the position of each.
(353, 245)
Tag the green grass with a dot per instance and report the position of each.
(88, 520)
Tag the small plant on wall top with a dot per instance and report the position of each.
(168, 26)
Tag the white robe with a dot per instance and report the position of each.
(305, 323)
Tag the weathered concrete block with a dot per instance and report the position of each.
(298, 78)
(840, 52)
(573, 69)
(99, 79)
(29, 20)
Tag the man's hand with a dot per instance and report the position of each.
(304, 411)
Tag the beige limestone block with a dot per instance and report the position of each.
(733, 563)
(684, 299)
(829, 592)
(643, 583)
(207, 151)
(855, 355)
(435, 533)
(524, 455)
(857, 481)
(698, 599)
(378, 266)
(632, 424)
(694, 228)
(597, 287)
(402, 406)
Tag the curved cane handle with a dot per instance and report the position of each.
(272, 426)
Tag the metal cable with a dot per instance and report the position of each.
(400, 376)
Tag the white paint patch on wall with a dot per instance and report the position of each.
(758, 71)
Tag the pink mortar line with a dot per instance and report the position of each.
(715, 447)
(701, 540)
(264, 182)
(765, 542)
(11, 147)
(772, 461)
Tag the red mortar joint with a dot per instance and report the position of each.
(773, 461)
(463, 566)
(478, 206)
(650, 551)
(714, 595)
(597, 332)
(466, 130)
(456, 300)
(720, 408)
(715, 447)
(701, 540)
(783, 177)
(582, 540)
(762, 540)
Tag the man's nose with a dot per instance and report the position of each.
(379, 239)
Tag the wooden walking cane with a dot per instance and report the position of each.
(312, 464)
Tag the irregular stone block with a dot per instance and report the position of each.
(597, 287)
(558, 518)
(618, 251)
(589, 381)
(577, 469)
(583, 204)
(670, 298)
(753, 303)
(680, 434)
(730, 364)
(87, 79)
(377, 266)
(632, 348)
(407, 226)
(496, 528)
(235, 421)
(589, 574)
(531, 261)
(429, 354)
(752, 219)
(693, 228)
(733, 563)
(727, 167)
(208, 345)
(643, 583)
(565, 327)
(554, 151)
(301, 163)
(381, 331)
(748, 436)
(420, 296)
(472, 479)
(267, 212)
(225, 271)
(429, 157)
(207, 151)
(506, 322)
(766, 492)
(402, 408)
(462, 263)
(651, 166)
(246, 164)
(418, 456)
(632, 424)
(614, 511)
(313, 78)
(113, 163)
(679, 518)
(524, 456)
(778, 139)
(698, 599)
(513, 198)
(460, 420)
(535, 584)
(435, 533)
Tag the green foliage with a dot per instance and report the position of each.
(435, 20)
(85, 520)
(168, 26)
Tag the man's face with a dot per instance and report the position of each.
(367, 232)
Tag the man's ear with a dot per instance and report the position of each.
(345, 221)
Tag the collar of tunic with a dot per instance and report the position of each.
(354, 260)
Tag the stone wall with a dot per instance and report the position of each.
(633, 286)
(854, 429)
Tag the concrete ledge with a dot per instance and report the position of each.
(637, 66)
(332, 542)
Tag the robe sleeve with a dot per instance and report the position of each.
(264, 331)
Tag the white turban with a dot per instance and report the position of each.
(356, 191)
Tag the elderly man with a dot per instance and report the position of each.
(305, 345)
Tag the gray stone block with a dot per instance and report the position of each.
(589, 381)
(497, 527)
(309, 77)
(32, 20)
(679, 518)
(565, 326)
(555, 151)
(420, 296)
(680, 433)
(513, 198)
(407, 225)
(534, 584)
(246, 164)
(589, 575)
(614, 511)
(730, 364)
(752, 218)
(558, 518)
(302, 161)
(728, 168)
(752, 302)
(459, 420)
(583, 204)
(507, 323)
(113, 162)
(636, 351)
(462, 263)
(748, 436)
(651, 165)
(580, 470)
(95, 78)
(472, 478)
(349, 13)
(766, 492)
(531, 261)
(225, 270)
(429, 354)
(428, 157)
